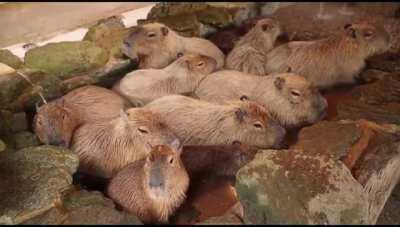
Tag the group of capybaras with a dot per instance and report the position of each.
(186, 92)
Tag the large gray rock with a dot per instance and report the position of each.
(84, 208)
(200, 19)
(292, 187)
(32, 181)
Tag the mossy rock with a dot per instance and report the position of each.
(25, 139)
(23, 96)
(66, 59)
(85, 208)
(108, 34)
(200, 19)
(3, 146)
(33, 180)
(291, 187)
(10, 59)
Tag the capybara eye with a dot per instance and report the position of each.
(126, 43)
(244, 98)
(265, 27)
(200, 63)
(295, 93)
(171, 160)
(258, 125)
(142, 130)
(179, 55)
(368, 34)
(151, 34)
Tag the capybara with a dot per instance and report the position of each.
(55, 122)
(155, 45)
(180, 77)
(154, 187)
(249, 53)
(104, 147)
(198, 122)
(288, 97)
(331, 61)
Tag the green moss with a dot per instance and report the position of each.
(10, 59)
(66, 59)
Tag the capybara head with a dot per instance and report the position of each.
(197, 63)
(54, 123)
(375, 39)
(254, 126)
(163, 168)
(148, 126)
(300, 103)
(268, 26)
(145, 40)
(263, 30)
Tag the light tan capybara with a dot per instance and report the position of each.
(331, 61)
(288, 97)
(198, 122)
(155, 45)
(250, 51)
(104, 147)
(154, 187)
(55, 122)
(180, 77)
(224, 160)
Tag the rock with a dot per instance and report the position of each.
(10, 59)
(85, 208)
(2, 146)
(66, 59)
(21, 95)
(372, 75)
(32, 181)
(200, 19)
(10, 124)
(378, 101)
(390, 213)
(293, 187)
(108, 34)
(25, 139)
(389, 62)
(369, 150)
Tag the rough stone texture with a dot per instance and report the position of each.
(32, 180)
(369, 150)
(25, 139)
(2, 146)
(84, 208)
(378, 101)
(391, 213)
(389, 62)
(64, 59)
(17, 94)
(200, 19)
(293, 187)
(108, 34)
(10, 59)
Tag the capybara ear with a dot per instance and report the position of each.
(180, 54)
(350, 31)
(177, 146)
(164, 31)
(123, 115)
(240, 114)
(279, 82)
